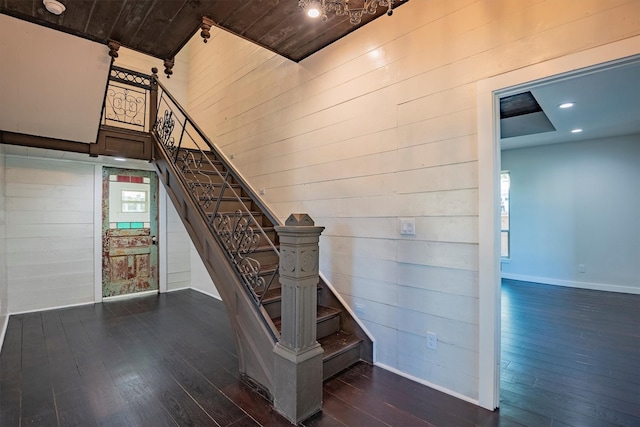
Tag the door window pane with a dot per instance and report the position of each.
(134, 201)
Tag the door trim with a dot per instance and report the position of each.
(97, 233)
(489, 193)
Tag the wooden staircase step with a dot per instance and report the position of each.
(272, 299)
(341, 350)
(327, 318)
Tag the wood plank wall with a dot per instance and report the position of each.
(382, 125)
(178, 251)
(49, 233)
(48, 210)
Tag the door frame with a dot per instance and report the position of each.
(489, 166)
(97, 229)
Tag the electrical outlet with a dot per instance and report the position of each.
(361, 309)
(432, 340)
(582, 268)
(263, 191)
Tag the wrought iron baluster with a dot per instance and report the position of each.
(223, 188)
(164, 130)
(184, 126)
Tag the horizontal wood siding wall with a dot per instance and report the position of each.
(49, 233)
(382, 125)
(178, 251)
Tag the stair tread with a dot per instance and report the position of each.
(324, 313)
(338, 343)
(217, 183)
(273, 294)
(230, 198)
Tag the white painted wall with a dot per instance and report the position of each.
(200, 278)
(179, 255)
(56, 77)
(49, 233)
(176, 84)
(576, 203)
(49, 203)
(382, 125)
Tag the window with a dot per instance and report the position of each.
(134, 201)
(505, 238)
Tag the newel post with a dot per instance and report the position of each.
(298, 356)
(153, 98)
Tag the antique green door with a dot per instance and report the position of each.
(129, 230)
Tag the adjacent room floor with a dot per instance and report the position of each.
(170, 360)
(569, 356)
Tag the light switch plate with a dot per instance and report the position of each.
(408, 226)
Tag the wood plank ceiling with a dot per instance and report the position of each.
(160, 28)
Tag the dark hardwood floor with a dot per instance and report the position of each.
(170, 360)
(569, 356)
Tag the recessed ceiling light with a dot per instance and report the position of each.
(54, 6)
(120, 159)
(576, 130)
(566, 105)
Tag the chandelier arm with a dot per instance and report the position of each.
(342, 8)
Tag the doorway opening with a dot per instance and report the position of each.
(129, 232)
(489, 92)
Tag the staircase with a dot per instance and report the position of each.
(210, 183)
(234, 233)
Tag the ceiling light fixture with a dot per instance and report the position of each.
(566, 105)
(313, 9)
(120, 159)
(319, 8)
(576, 130)
(54, 6)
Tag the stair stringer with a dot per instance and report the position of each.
(255, 338)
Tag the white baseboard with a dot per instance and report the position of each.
(129, 296)
(52, 308)
(197, 290)
(428, 384)
(209, 294)
(178, 289)
(573, 284)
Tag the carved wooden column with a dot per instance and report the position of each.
(298, 356)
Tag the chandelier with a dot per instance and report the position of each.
(319, 8)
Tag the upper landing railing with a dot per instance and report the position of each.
(127, 100)
(136, 101)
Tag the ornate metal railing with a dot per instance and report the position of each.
(234, 213)
(126, 99)
(232, 210)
